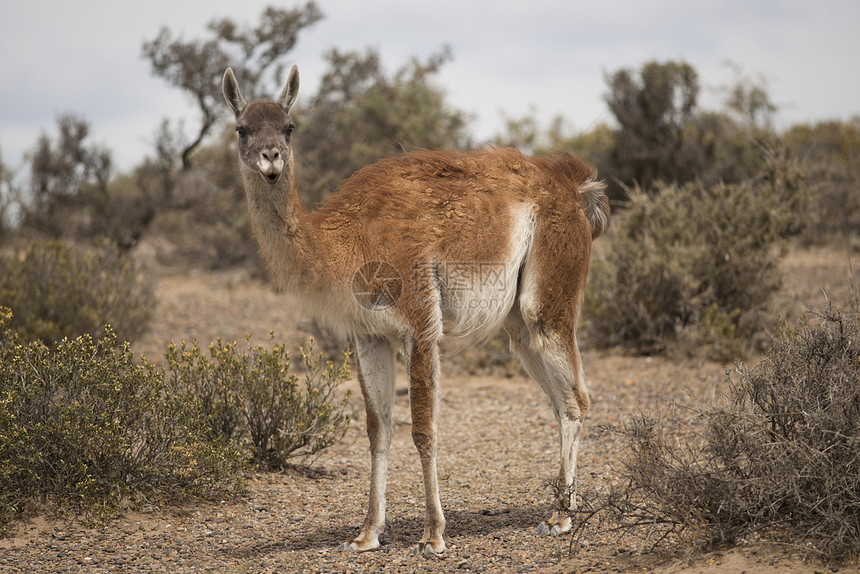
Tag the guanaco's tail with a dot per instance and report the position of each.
(596, 206)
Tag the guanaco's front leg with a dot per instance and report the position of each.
(376, 375)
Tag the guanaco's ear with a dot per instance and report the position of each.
(232, 94)
(291, 90)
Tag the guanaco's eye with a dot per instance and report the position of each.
(242, 131)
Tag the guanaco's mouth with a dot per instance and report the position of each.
(271, 165)
(271, 178)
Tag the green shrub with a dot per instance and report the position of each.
(85, 426)
(779, 457)
(89, 428)
(251, 398)
(691, 265)
(56, 290)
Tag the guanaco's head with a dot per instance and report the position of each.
(264, 128)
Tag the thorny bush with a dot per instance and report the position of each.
(777, 458)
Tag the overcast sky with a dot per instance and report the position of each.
(84, 56)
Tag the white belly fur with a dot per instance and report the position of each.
(476, 296)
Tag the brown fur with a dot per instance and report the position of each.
(432, 236)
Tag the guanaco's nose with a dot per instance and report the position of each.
(271, 164)
(271, 154)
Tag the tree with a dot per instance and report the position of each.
(652, 110)
(64, 174)
(528, 135)
(360, 114)
(196, 66)
(9, 199)
(73, 193)
(750, 101)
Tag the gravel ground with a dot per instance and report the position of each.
(497, 451)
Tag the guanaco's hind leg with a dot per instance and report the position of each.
(376, 374)
(556, 366)
(423, 367)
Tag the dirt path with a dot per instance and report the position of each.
(497, 451)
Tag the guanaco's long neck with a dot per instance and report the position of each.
(288, 241)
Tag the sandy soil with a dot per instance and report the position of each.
(497, 451)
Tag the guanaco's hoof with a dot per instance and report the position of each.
(553, 528)
(426, 549)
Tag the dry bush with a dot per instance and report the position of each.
(58, 290)
(829, 152)
(778, 457)
(694, 265)
(206, 224)
(685, 264)
(491, 358)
